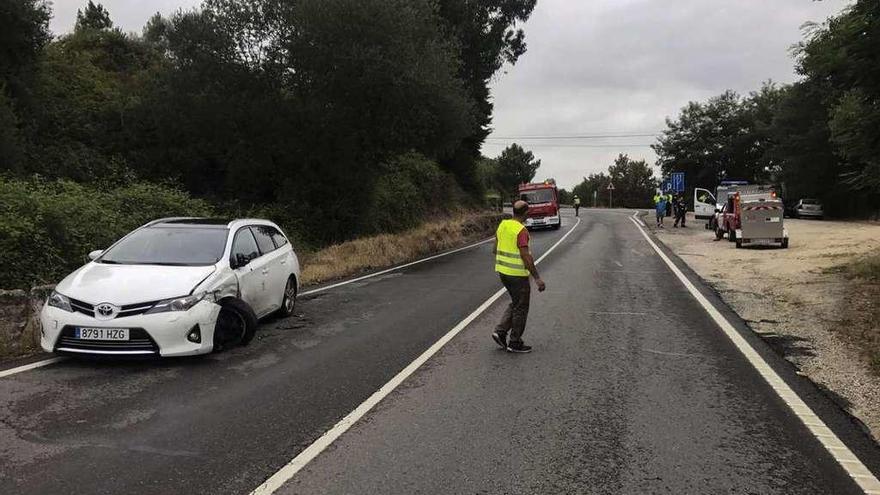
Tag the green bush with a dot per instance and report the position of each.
(411, 189)
(47, 228)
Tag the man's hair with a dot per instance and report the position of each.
(520, 208)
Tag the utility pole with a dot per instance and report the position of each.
(595, 197)
(610, 195)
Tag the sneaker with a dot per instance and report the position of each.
(519, 348)
(500, 339)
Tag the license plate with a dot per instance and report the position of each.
(84, 333)
(538, 222)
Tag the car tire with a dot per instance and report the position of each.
(785, 243)
(236, 324)
(557, 226)
(288, 298)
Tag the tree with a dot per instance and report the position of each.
(487, 37)
(633, 180)
(94, 17)
(843, 55)
(516, 166)
(24, 31)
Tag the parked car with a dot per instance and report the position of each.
(808, 208)
(174, 287)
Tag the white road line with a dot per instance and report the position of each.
(840, 452)
(637, 219)
(392, 269)
(27, 367)
(303, 458)
(40, 364)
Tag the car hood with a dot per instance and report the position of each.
(96, 283)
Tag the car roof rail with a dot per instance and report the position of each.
(168, 219)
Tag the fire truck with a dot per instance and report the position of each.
(543, 200)
(753, 215)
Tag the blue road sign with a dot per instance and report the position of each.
(678, 181)
(666, 186)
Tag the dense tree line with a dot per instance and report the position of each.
(344, 116)
(815, 138)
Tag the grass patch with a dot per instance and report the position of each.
(867, 267)
(370, 253)
(861, 307)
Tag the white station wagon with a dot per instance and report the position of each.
(174, 287)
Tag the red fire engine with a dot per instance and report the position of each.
(543, 200)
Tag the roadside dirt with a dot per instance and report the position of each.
(801, 301)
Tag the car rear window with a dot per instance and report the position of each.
(277, 237)
(263, 234)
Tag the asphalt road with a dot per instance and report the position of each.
(631, 389)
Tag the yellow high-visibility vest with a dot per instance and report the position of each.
(507, 258)
(657, 198)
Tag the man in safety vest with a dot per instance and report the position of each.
(514, 263)
(577, 206)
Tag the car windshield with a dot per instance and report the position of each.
(175, 246)
(809, 202)
(537, 196)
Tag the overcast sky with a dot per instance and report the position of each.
(598, 67)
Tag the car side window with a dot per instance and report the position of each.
(245, 245)
(277, 237)
(264, 238)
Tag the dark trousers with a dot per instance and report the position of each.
(514, 319)
(680, 216)
(577, 210)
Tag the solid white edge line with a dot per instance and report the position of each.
(303, 458)
(394, 268)
(27, 367)
(835, 447)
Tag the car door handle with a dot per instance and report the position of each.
(265, 271)
(283, 262)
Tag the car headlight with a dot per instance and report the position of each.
(184, 303)
(59, 301)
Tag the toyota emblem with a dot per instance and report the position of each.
(105, 311)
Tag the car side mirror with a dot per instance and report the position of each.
(239, 261)
(96, 254)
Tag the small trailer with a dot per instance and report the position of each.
(759, 219)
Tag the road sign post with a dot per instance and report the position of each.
(611, 195)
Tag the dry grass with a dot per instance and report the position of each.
(370, 253)
(866, 268)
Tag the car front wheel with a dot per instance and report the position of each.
(236, 324)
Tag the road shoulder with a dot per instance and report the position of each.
(782, 333)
